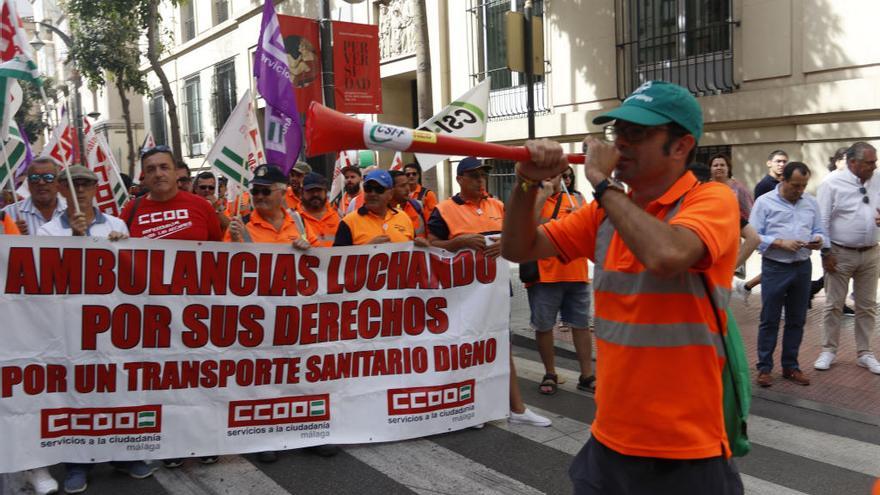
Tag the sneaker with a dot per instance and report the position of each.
(76, 480)
(848, 311)
(479, 426)
(739, 288)
(136, 469)
(796, 376)
(824, 361)
(211, 459)
(172, 463)
(870, 362)
(267, 457)
(527, 417)
(41, 480)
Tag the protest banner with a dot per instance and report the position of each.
(145, 349)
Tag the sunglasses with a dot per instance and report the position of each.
(155, 149)
(204, 187)
(865, 197)
(81, 183)
(261, 191)
(567, 176)
(34, 178)
(412, 174)
(372, 187)
(476, 174)
(631, 133)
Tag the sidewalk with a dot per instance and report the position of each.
(844, 390)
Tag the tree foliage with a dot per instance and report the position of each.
(29, 116)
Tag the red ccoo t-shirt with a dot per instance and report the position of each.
(184, 217)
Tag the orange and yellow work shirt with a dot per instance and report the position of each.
(8, 226)
(293, 201)
(427, 198)
(244, 206)
(455, 216)
(362, 226)
(551, 269)
(344, 206)
(261, 230)
(322, 230)
(659, 351)
(418, 221)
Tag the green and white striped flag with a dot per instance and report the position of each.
(235, 148)
(15, 151)
(10, 102)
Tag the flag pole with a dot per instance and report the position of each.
(567, 194)
(10, 179)
(70, 185)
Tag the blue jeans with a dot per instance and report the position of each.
(788, 285)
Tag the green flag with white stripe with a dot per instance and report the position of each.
(15, 151)
(235, 152)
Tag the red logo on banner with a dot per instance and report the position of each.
(417, 400)
(283, 410)
(100, 421)
(356, 67)
(303, 47)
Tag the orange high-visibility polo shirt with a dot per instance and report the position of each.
(365, 226)
(293, 201)
(551, 269)
(466, 217)
(659, 353)
(418, 221)
(429, 200)
(323, 229)
(261, 230)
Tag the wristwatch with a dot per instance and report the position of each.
(603, 186)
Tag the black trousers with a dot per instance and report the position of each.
(599, 470)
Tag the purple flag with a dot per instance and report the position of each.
(283, 133)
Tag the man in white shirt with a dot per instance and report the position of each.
(89, 222)
(43, 204)
(849, 200)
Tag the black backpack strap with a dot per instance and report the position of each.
(134, 207)
(556, 209)
(423, 193)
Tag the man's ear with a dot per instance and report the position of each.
(683, 146)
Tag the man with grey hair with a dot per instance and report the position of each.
(849, 199)
(44, 204)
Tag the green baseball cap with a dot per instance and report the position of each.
(658, 103)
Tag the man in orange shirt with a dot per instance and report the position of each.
(417, 191)
(400, 199)
(560, 289)
(294, 192)
(664, 257)
(352, 196)
(270, 221)
(376, 222)
(320, 219)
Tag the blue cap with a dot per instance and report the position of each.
(470, 163)
(381, 177)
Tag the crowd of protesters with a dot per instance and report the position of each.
(783, 222)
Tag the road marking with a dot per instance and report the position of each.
(230, 475)
(424, 467)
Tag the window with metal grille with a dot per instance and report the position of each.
(704, 153)
(488, 58)
(157, 117)
(688, 42)
(223, 96)
(192, 108)
(187, 20)
(501, 178)
(221, 11)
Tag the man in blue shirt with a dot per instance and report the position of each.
(790, 225)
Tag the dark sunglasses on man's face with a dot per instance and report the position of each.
(412, 174)
(371, 187)
(77, 183)
(261, 191)
(34, 178)
(476, 175)
(206, 187)
(567, 176)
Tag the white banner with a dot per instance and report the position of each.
(147, 349)
(465, 117)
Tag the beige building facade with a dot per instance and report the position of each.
(798, 75)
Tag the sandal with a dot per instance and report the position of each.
(587, 384)
(549, 384)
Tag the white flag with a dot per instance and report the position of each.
(338, 183)
(465, 117)
(111, 193)
(149, 142)
(235, 152)
(397, 162)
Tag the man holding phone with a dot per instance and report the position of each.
(790, 225)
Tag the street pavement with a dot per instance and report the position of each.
(796, 450)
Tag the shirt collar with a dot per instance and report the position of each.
(457, 199)
(364, 211)
(678, 189)
(256, 218)
(28, 206)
